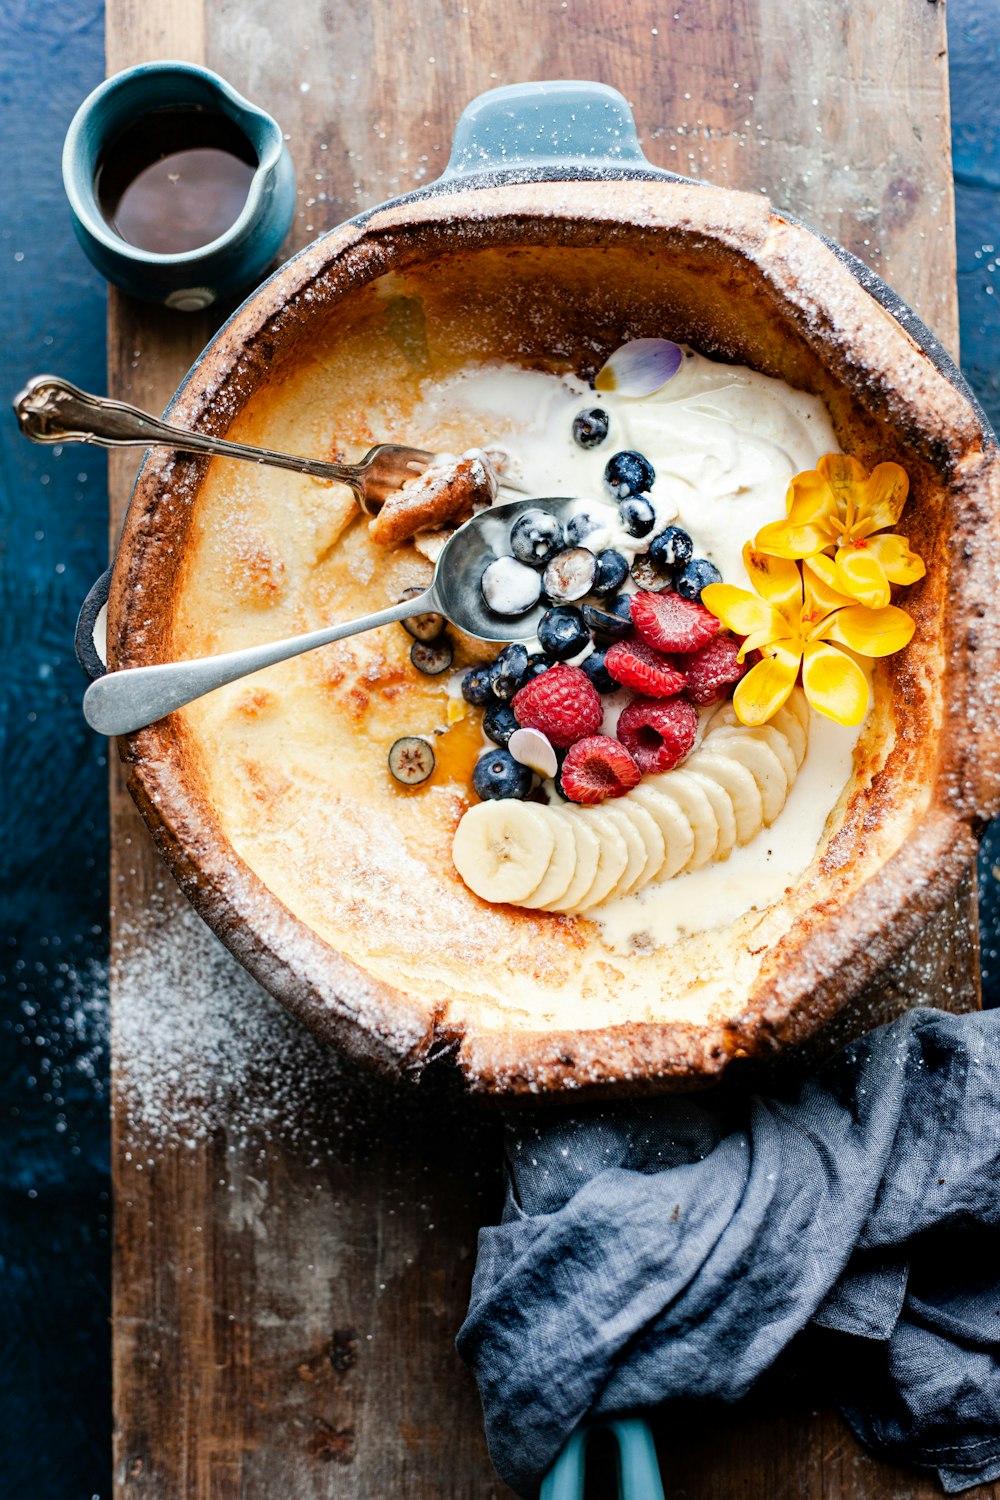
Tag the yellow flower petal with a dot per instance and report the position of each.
(784, 539)
(844, 475)
(884, 495)
(833, 683)
(821, 583)
(809, 498)
(871, 632)
(862, 576)
(776, 579)
(900, 564)
(739, 610)
(765, 687)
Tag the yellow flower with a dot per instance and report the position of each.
(795, 618)
(837, 508)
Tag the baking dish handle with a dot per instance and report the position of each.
(91, 641)
(562, 123)
(638, 1470)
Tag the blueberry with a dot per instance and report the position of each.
(638, 516)
(598, 673)
(535, 537)
(422, 627)
(651, 575)
(612, 571)
(628, 473)
(562, 633)
(432, 657)
(569, 575)
(590, 428)
(538, 663)
(499, 723)
(411, 760)
(695, 576)
(612, 619)
(498, 774)
(579, 527)
(510, 588)
(476, 687)
(507, 672)
(672, 548)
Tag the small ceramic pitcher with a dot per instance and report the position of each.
(191, 279)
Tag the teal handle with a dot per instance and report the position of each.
(557, 124)
(638, 1469)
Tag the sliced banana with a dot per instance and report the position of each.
(611, 863)
(678, 835)
(587, 857)
(796, 703)
(649, 832)
(762, 763)
(562, 865)
(775, 741)
(502, 848)
(634, 843)
(722, 808)
(744, 793)
(786, 722)
(689, 794)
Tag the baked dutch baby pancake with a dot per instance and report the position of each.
(744, 755)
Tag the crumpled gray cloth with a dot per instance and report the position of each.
(673, 1249)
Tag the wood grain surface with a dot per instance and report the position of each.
(294, 1242)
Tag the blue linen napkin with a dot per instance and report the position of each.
(673, 1249)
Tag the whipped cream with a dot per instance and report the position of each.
(725, 441)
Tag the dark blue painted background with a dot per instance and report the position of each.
(54, 1251)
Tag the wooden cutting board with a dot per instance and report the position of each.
(294, 1242)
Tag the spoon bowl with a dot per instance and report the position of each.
(122, 702)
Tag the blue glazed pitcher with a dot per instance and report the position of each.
(190, 279)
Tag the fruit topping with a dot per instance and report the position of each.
(628, 473)
(499, 723)
(713, 670)
(422, 627)
(695, 576)
(538, 663)
(562, 633)
(672, 548)
(476, 687)
(509, 587)
(637, 515)
(610, 574)
(658, 735)
(534, 750)
(598, 673)
(649, 574)
(563, 704)
(598, 767)
(535, 537)
(507, 672)
(636, 665)
(671, 623)
(503, 849)
(613, 619)
(498, 774)
(580, 526)
(569, 575)
(432, 657)
(590, 428)
(411, 760)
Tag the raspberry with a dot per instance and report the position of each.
(658, 735)
(562, 703)
(636, 665)
(671, 623)
(712, 671)
(598, 767)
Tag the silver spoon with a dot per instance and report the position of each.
(121, 702)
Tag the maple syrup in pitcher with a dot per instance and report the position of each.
(175, 179)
